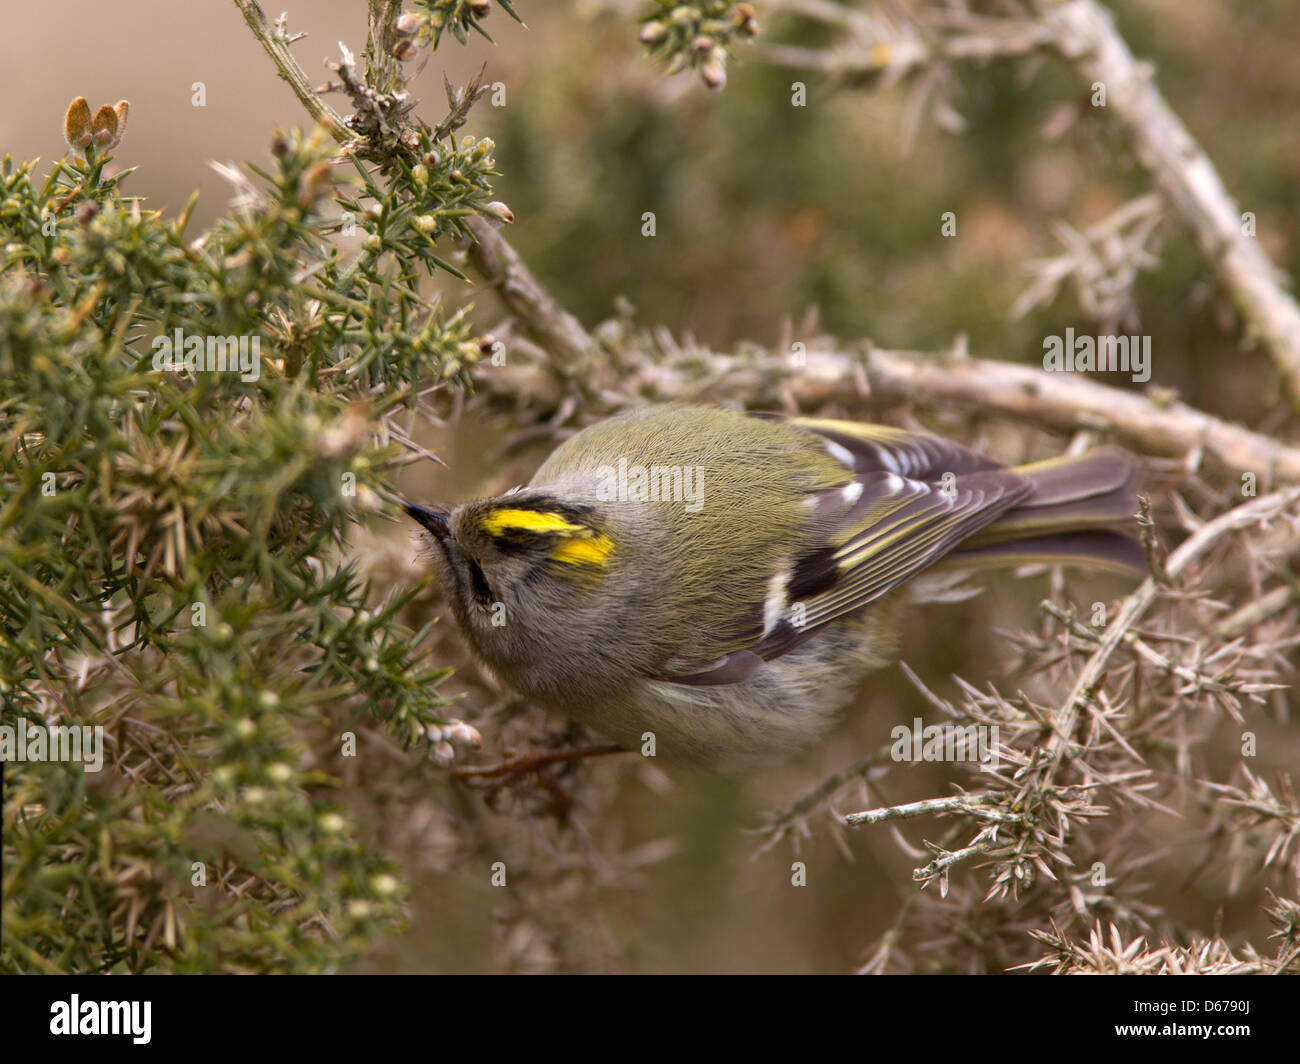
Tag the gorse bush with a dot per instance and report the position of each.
(170, 568)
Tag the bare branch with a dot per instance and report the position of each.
(502, 268)
(1140, 600)
(964, 803)
(893, 48)
(276, 44)
(881, 50)
(1084, 33)
(1150, 422)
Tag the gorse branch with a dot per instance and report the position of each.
(196, 424)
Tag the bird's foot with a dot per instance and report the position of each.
(516, 766)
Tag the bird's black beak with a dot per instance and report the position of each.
(434, 518)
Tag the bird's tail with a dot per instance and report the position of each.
(1073, 516)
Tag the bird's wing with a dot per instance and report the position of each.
(910, 500)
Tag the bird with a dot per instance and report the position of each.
(714, 586)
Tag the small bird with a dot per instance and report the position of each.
(715, 586)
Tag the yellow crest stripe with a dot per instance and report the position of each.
(579, 544)
(528, 521)
(593, 551)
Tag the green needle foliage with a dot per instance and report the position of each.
(170, 562)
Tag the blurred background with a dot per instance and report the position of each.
(763, 212)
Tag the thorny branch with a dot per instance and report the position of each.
(275, 40)
(1084, 33)
(877, 44)
(1157, 422)
(554, 328)
(1103, 262)
(925, 807)
(1112, 955)
(1036, 791)
(1236, 520)
(658, 368)
(880, 47)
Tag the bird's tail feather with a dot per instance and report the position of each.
(1072, 516)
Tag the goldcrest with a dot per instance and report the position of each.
(719, 585)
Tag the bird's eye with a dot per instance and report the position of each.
(482, 591)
